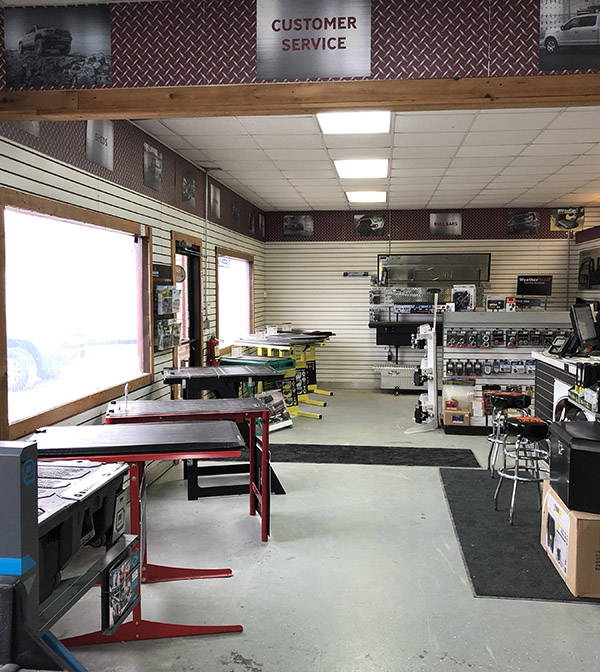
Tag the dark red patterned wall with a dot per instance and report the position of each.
(197, 42)
(410, 225)
(65, 141)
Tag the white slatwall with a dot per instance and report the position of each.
(305, 286)
(29, 171)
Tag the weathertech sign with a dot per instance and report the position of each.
(313, 39)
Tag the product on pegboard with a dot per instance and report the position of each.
(498, 338)
(485, 339)
(511, 338)
(301, 381)
(288, 389)
(523, 337)
(488, 367)
(464, 297)
(472, 338)
(536, 338)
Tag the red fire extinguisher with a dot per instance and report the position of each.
(212, 351)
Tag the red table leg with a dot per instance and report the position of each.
(158, 573)
(265, 485)
(138, 629)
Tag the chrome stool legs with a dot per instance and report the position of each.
(526, 456)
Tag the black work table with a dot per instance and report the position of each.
(137, 444)
(224, 381)
(153, 440)
(245, 410)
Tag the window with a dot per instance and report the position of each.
(586, 21)
(76, 312)
(234, 296)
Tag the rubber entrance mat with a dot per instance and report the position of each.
(404, 456)
(502, 561)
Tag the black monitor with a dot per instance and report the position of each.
(584, 325)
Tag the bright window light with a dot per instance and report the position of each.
(234, 287)
(366, 196)
(337, 123)
(361, 168)
(70, 335)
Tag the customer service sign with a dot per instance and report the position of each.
(313, 39)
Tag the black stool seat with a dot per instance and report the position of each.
(529, 427)
(506, 400)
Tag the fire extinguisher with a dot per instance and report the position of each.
(212, 351)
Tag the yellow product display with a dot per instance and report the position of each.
(311, 366)
(295, 382)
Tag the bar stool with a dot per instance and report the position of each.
(529, 449)
(502, 402)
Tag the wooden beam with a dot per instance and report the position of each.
(308, 97)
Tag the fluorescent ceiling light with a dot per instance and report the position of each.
(366, 196)
(361, 168)
(336, 123)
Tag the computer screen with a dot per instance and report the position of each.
(584, 325)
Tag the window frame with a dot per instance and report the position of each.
(23, 201)
(236, 254)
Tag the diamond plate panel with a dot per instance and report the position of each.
(338, 225)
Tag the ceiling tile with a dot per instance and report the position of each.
(303, 165)
(541, 170)
(499, 138)
(237, 167)
(490, 150)
(296, 154)
(205, 126)
(307, 182)
(221, 141)
(369, 140)
(577, 119)
(441, 162)
(556, 150)
(480, 161)
(571, 136)
(361, 153)
(436, 122)
(235, 154)
(400, 168)
(309, 174)
(276, 125)
(512, 121)
(595, 149)
(556, 162)
(473, 172)
(289, 141)
(423, 152)
(428, 139)
(412, 179)
(152, 126)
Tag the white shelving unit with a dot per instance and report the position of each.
(546, 324)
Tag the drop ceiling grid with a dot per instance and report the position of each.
(449, 159)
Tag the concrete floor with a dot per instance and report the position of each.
(372, 418)
(363, 573)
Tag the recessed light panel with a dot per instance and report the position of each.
(361, 168)
(366, 196)
(335, 123)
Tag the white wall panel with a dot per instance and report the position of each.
(305, 286)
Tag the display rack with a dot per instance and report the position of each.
(490, 349)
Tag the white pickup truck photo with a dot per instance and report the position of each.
(580, 31)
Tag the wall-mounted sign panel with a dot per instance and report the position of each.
(445, 223)
(313, 39)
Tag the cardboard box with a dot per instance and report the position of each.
(457, 418)
(572, 541)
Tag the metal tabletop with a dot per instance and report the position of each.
(132, 439)
(240, 373)
(118, 409)
(287, 340)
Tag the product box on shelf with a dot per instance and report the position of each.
(572, 541)
(457, 417)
